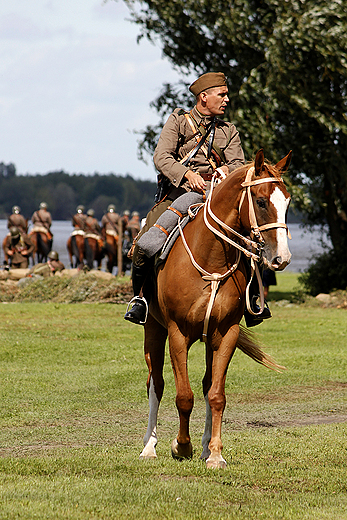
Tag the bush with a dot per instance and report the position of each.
(328, 273)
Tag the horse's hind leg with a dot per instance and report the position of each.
(155, 338)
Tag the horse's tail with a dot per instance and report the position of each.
(247, 345)
(89, 253)
(74, 248)
(43, 246)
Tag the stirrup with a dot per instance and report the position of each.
(142, 301)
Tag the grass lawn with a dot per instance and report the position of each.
(74, 412)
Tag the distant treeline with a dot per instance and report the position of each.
(64, 192)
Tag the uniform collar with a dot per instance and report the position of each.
(201, 118)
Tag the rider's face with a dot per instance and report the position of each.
(213, 101)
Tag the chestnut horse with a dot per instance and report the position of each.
(200, 294)
(93, 250)
(111, 241)
(75, 247)
(43, 245)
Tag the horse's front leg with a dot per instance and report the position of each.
(217, 362)
(181, 446)
(155, 338)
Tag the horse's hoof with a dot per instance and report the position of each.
(181, 451)
(216, 462)
(205, 454)
(148, 451)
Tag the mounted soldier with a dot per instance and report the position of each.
(17, 220)
(79, 219)
(192, 147)
(134, 225)
(109, 222)
(42, 221)
(18, 248)
(75, 242)
(110, 234)
(93, 243)
(40, 233)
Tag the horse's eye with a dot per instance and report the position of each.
(261, 203)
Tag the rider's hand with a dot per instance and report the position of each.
(10, 253)
(222, 171)
(196, 182)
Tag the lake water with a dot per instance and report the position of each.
(303, 246)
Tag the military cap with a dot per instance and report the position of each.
(80, 209)
(135, 214)
(14, 232)
(126, 212)
(206, 81)
(43, 205)
(53, 255)
(111, 207)
(90, 213)
(16, 209)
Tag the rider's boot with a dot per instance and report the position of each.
(139, 310)
(252, 320)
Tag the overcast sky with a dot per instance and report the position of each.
(74, 86)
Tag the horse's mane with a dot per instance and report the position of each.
(270, 167)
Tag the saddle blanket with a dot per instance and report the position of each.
(78, 232)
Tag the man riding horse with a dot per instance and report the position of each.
(192, 147)
(17, 220)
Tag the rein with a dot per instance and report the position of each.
(250, 245)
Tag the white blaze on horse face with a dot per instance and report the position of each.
(281, 203)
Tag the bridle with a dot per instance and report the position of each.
(252, 247)
(250, 244)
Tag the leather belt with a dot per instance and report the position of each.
(206, 176)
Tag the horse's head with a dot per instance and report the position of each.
(263, 209)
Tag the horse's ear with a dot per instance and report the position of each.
(259, 162)
(284, 163)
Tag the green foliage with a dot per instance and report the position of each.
(286, 64)
(327, 273)
(63, 192)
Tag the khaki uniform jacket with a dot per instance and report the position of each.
(79, 221)
(92, 226)
(176, 140)
(41, 218)
(18, 221)
(109, 221)
(18, 245)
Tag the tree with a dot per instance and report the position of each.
(286, 64)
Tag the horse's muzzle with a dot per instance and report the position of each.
(278, 264)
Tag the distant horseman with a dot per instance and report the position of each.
(17, 220)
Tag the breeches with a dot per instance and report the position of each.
(152, 237)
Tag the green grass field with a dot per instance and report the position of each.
(74, 412)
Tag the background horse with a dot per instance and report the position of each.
(75, 247)
(200, 293)
(111, 241)
(93, 250)
(42, 245)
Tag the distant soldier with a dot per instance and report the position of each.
(49, 268)
(79, 219)
(109, 222)
(18, 247)
(92, 225)
(42, 220)
(134, 224)
(125, 219)
(17, 220)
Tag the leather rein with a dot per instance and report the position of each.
(253, 246)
